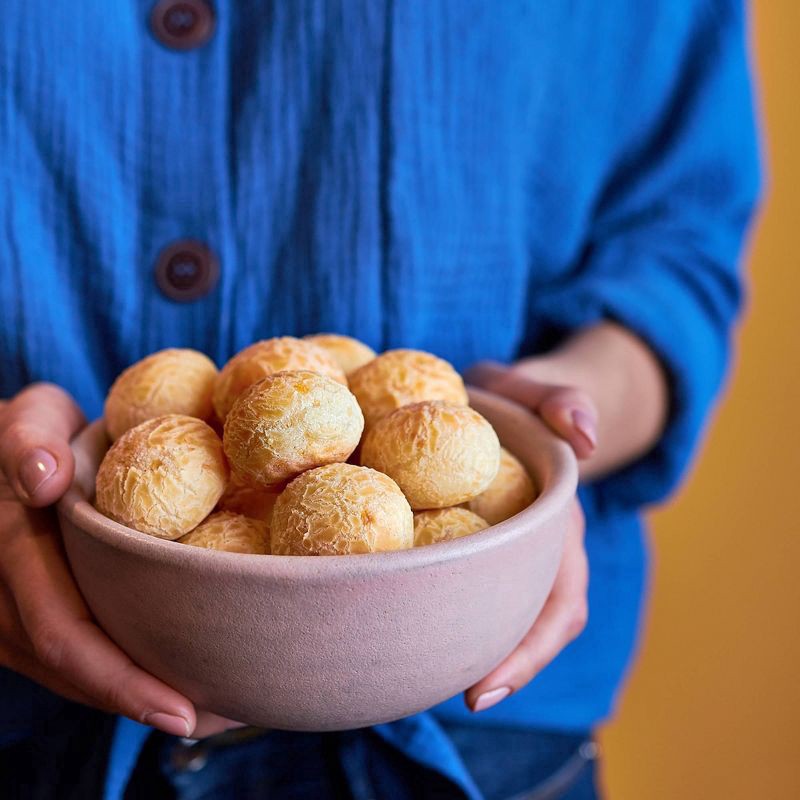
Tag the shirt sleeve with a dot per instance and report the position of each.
(664, 242)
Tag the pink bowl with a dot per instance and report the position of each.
(306, 643)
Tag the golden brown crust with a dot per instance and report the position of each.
(256, 503)
(290, 422)
(172, 381)
(162, 477)
(445, 524)
(349, 353)
(439, 454)
(510, 492)
(399, 377)
(233, 533)
(265, 358)
(340, 509)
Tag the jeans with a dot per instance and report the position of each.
(505, 763)
(527, 764)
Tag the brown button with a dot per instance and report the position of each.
(186, 270)
(182, 24)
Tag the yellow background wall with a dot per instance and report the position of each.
(712, 710)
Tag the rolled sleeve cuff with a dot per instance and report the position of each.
(690, 344)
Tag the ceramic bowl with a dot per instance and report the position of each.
(310, 643)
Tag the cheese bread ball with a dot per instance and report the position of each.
(444, 524)
(340, 509)
(162, 477)
(350, 354)
(290, 422)
(265, 358)
(511, 491)
(174, 381)
(399, 377)
(230, 532)
(249, 501)
(439, 454)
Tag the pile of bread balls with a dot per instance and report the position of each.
(312, 446)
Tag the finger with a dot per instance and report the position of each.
(26, 664)
(492, 376)
(573, 416)
(30, 668)
(209, 724)
(15, 655)
(35, 431)
(561, 620)
(567, 411)
(66, 641)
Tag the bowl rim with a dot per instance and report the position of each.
(554, 494)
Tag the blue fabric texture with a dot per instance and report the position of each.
(472, 178)
(128, 741)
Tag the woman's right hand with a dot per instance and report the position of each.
(46, 630)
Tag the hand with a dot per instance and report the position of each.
(570, 413)
(566, 410)
(602, 389)
(46, 630)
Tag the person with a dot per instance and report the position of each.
(556, 193)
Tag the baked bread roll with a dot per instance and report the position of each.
(255, 503)
(340, 509)
(439, 454)
(399, 377)
(162, 477)
(287, 423)
(445, 524)
(265, 358)
(510, 492)
(349, 353)
(173, 381)
(230, 532)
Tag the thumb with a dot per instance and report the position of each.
(35, 431)
(568, 411)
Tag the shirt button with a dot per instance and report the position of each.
(186, 270)
(182, 24)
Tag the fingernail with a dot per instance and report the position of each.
(491, 698)
(585, 425)
(36, 468)
(177, 726)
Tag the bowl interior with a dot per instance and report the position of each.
(548, 459)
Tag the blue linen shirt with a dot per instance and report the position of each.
(473, 178)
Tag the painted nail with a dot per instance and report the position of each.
(491, 698)
(585, 425)
(37, 467)
(177, 726)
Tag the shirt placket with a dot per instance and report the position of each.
(185, 239)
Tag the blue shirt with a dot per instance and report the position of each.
(472, 178)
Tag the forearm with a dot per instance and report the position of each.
(626, 382)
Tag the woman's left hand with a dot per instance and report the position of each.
(570, 413)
